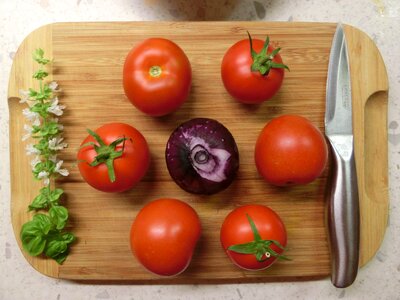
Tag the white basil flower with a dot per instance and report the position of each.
(30, 149)
(55, 108)
(57, 143)
(30, 115)
(53, 158)
(63, 172)
(55, 120)
(44, 175)
(28, 133)
(25, 96)
(36, 122)
(53, 86)
(35, 161)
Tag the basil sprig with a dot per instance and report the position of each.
(45, 233)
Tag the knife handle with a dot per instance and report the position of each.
(343, 212)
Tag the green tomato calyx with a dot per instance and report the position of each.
(106, 153)
(263, 61)
(260, 248)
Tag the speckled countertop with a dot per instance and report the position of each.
(380, 279)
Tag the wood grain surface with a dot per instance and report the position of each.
(88, 60)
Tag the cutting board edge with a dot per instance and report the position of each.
(178, 280)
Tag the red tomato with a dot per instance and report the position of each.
(118, 164)
(242, 72)
(290, 150)
(244, 248)
(157, 76)
(164, 235)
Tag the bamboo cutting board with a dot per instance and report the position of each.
(88, 60)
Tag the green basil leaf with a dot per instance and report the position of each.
(42, 145)
(61, 257)
(38, 107)
(59, 216)
(32, 93)
(35, 245)
(55, 247)
(43, 95)
(40, 74)
(39, 168)
(30, 228)
(29, 231)
(44, 222)
(35, 129)
(38, 56)
(45, 198)
(47, 89)
(68, 237)
(33, 234)
(40, 202)
(50, 129)
(55, 196)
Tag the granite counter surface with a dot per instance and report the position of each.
(380, 19)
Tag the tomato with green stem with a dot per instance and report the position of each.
(252, 70)
(253, 236)
(114, 158)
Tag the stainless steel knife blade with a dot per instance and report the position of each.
(342, 192)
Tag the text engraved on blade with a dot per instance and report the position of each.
(346, 104)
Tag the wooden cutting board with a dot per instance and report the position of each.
(88, 60)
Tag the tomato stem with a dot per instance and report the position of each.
(106, 153)
(155, 71)
(260, 248)
(263, 61)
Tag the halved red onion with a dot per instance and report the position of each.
(202, 156)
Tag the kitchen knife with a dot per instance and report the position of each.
(342, 193)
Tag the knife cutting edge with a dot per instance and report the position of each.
(342, 193)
